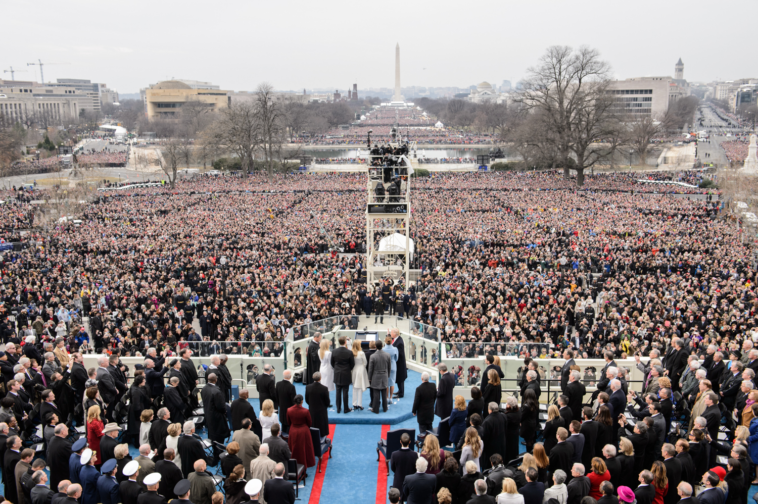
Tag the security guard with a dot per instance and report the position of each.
(182, 489)
(130, 489)
(107, 485)
(152, 496)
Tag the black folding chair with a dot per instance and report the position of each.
(296, 474)
(390, 445)
(320, 446)
(442, 431)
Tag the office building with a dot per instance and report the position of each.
(45, 105)
(165, 99)
(649, 96)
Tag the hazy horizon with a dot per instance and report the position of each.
(237, 45)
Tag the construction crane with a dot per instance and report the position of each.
(40, 64)
(13, 72)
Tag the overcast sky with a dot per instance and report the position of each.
(296, 44)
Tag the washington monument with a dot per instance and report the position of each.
(398, 97)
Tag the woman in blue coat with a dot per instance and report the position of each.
(753, 440)
(393, 370)
(458, 419)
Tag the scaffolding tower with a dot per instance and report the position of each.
(389, 247)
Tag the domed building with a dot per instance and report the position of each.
(486, 93)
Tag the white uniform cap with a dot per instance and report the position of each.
(86, 456)
(152, 479)
(131, 468)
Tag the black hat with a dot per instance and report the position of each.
(182, 487)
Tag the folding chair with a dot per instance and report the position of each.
(320, 445)
(296, 474)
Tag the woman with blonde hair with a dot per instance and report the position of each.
(472, 448)
(444, 497)
(520, 476)
(458, 419)
(747, 412)
(510, 493)
(146, 418)
(121, 454)
(433, 454)
(554, 421)
(267, 418)
(326, 369)
(626, 456)
(492, 392)
(94, 430)
(360, 375)
(172, 441)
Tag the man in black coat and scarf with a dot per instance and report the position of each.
(285, 393)
(312, 359)
(317, 397)
(172, 399)
(444, 405)
(216, 422)
(58, 454)
(139, 401)
(494, 434)
(402, 368)
(225, 379)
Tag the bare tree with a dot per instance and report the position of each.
(270, 118)
(296, 117)
(749, 112)
(169, 157)
(568, 88)
(640, 130)
(237, 130)
(11, 142)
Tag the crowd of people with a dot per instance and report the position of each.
(736, 150)
(45, 458)
(617, 269)
(689, 429)
(103, 159)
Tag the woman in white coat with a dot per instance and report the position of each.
(327, 371)
(360, 375)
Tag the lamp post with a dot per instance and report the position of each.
(630, 158)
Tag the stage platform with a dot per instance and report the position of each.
(399, 410)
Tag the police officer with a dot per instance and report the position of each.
(182, 489)
(107, 485)
(152, 496)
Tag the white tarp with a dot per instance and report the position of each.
(395, 243)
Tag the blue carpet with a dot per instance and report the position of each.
(351, 474)
(398, 411)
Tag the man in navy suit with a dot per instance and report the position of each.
(617, 404)
(277, 489)
(645, 493)
(533, 491)
(403, 463)
(420, 488)
(712, 494)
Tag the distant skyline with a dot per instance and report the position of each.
(297, 44)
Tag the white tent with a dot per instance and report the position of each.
(439, 125)
(395, 243)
